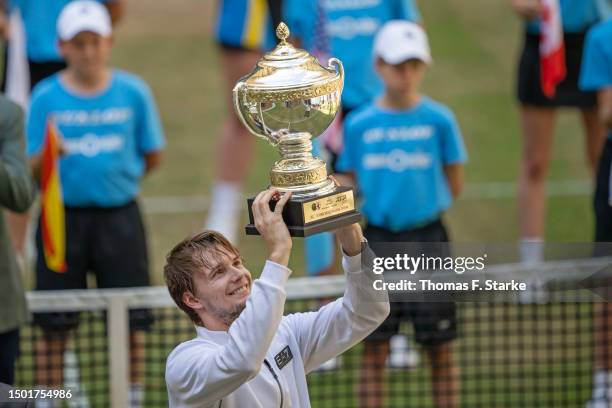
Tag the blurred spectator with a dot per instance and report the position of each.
(422, 173)
(43, 57)
(112, 136)
(596, 76)
(345, 30)
(17, 192)
(538, 111)
(244, 28)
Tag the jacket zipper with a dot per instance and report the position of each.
(280, 389)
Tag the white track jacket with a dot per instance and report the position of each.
(263, 359)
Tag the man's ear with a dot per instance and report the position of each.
(192, 301)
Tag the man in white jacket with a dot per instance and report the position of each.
(246, 354)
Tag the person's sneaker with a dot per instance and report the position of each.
(602, 402)
(401, 355)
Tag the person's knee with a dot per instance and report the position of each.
(440, 355)
(535, 168)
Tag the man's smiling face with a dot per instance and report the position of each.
(222, 288)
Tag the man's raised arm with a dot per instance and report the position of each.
(340, 325)
(197, 375)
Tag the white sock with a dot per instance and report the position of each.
(531, 250)
(136, 395)
(602, 384)
(224, 213)
(398, 344)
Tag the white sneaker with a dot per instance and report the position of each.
(401, 355)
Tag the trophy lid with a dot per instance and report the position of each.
(288, 73)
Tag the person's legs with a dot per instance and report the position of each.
(50, 359)
(120, 260)
(371, 374)
(537, 128)
(602, 312)
(444, 376)
(9, 344)
(234, 150)
(595, 137)
(56, 326)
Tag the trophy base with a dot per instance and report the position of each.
(309, 216)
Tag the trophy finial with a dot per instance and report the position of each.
(282, 32)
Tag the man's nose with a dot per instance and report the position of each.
(236, 273)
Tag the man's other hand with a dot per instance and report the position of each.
(271, 225)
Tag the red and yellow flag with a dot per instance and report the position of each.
(53, 227)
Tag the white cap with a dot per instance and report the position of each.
(83, 15)
(400, 40)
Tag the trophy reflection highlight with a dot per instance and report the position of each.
(289, 99)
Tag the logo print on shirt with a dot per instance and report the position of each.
(283, 358)
(397, 160)
(347, 28)
(90, 145)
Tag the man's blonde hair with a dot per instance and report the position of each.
(189, 257)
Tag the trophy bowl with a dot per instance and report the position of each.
(288, 99)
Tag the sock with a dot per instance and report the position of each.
(136, 395)
(531, 250)
(224, 211)
(602, 384)
(398, 344)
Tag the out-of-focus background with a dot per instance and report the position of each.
(475, 45)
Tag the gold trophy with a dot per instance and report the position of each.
(289, 99)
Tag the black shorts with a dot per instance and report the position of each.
(111, 243)
(602, 202)
(568, 93)
(42, 70)
(434, 323)
(275, 9)
(38, 70)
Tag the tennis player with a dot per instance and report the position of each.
(246, 354)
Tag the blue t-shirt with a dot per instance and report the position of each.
(576, 15)
(596, 72)
(106, 136)
(245, 23)
(347, 29)
(398, 159)
(40, 22)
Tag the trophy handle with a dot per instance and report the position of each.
(335, 65)
(238, 94)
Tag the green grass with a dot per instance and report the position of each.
(475, 45)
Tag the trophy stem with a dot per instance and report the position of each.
(296, 146)
(297, 170)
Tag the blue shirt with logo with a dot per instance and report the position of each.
(596, 73)
(348, 31)
(577, 15)
(398, 159)
(106, 137)
(40, 22)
